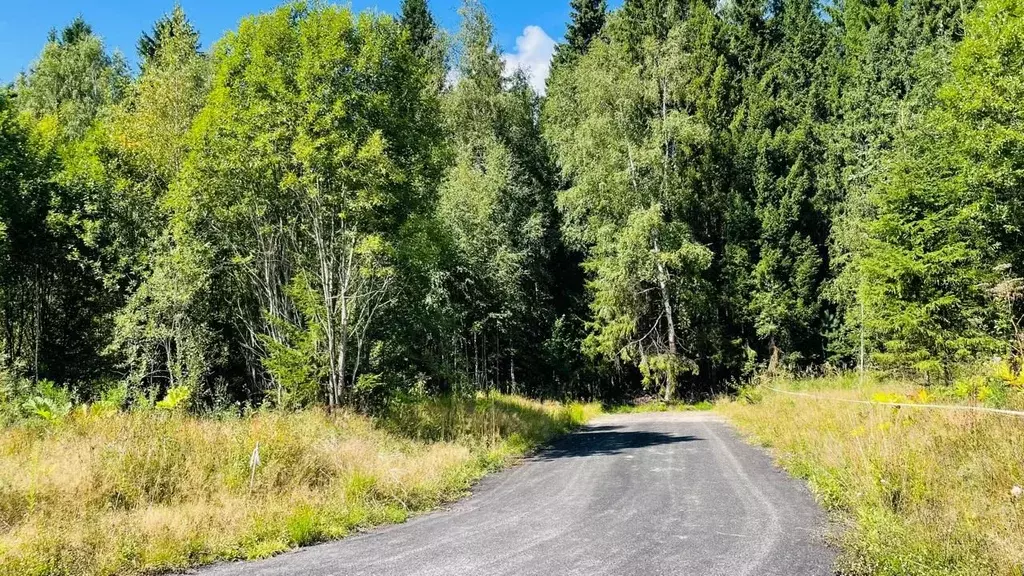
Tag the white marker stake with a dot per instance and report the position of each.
(254, 461)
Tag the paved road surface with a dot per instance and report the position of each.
(644, 494)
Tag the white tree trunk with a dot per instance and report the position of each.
(666, 303)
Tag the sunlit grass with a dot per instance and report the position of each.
(659, 406)
(115, 493)
(916, 491)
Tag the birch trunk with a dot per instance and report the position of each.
(666, 303)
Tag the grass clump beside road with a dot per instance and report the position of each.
(918, 491)
(106, 492)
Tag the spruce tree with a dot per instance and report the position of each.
(587, 20)
(943, 240)
(890, 60)
(785, 138)
(73, 33)
(650, 18)
(416, 18)
(175, 25)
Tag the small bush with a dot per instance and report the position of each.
(42, 401)
(175, 399)
(750, 394)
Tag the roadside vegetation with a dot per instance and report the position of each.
(914, 491)
(98, 491)
(642, 405)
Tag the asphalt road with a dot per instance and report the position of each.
(644, 494)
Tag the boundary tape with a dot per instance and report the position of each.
(955, 407)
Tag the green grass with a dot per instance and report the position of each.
(103, 492)
(914, 491)
(658, 406)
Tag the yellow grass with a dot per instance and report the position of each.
(146, 492)
(916, 491)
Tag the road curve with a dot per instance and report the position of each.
(644, 494)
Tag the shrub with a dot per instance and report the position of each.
(176, 398)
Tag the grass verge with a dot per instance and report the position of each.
(918, 491)
(128, 493)
(658, 406)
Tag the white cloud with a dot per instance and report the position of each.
(534, 50)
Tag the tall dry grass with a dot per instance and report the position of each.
(917, 491)
(117, 493)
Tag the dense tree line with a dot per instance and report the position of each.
(337, 207)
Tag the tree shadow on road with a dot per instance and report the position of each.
(607, 440)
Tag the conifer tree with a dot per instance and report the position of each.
(586, 21)
(787, 126)
(890, 60)
(942, 243)
(416, 18)
(176, 26)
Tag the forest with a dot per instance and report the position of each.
(341, 209)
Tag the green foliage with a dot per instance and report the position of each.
(416, 18)
(24, 197)
(895, 56)
(47, 402)
(333, 167)
(785, 121)
(292, 367)
(173, 27)
(73, 80)
(587, 18)
(496, 205)
(143, 156)
(627, 207)
(344, 208)
(53, 301)
(175, 399)
(937, 247)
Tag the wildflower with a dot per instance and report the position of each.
(1017, 492)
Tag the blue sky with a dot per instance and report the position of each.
(525, 29)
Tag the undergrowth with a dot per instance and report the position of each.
(916, 491)
(99, 491)
(659, 406)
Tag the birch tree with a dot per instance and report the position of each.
(623, 140)
(309, 159)
(497, 204)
